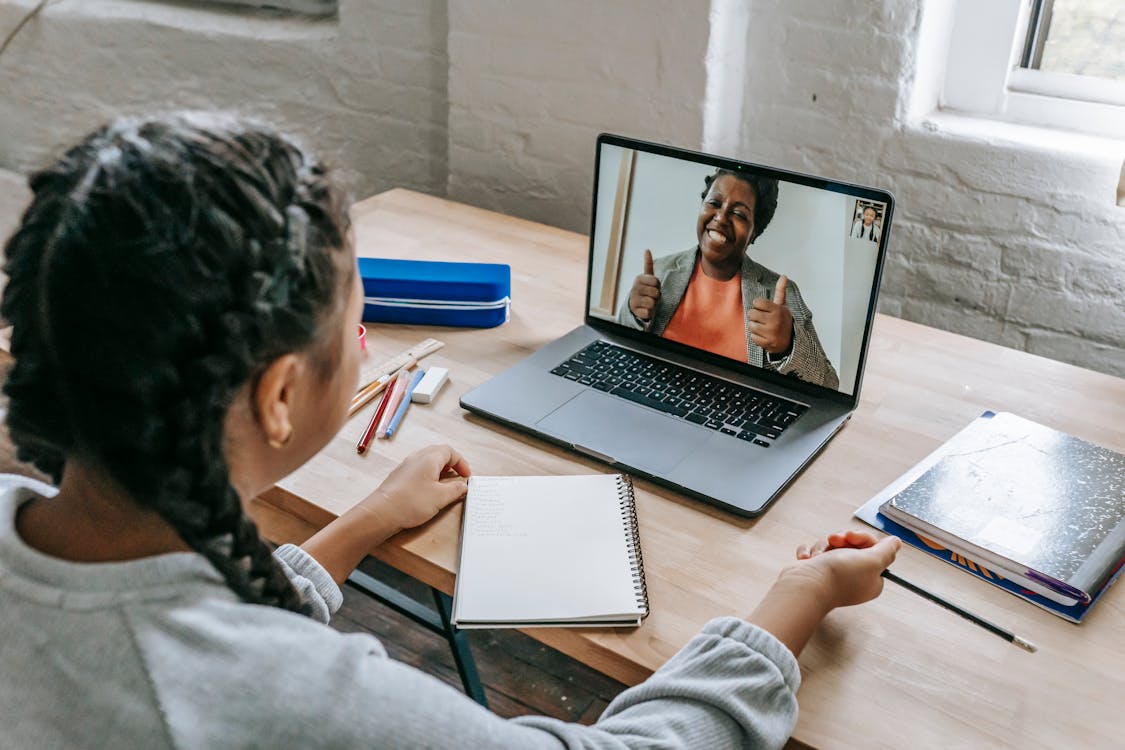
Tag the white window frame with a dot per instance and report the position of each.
(983, 76)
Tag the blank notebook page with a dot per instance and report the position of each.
(545, 548)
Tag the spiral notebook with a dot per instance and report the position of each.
(550, 551)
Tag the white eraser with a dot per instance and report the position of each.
(429, 385)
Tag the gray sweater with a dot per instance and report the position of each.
(158, 653)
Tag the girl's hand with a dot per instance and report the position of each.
(846, 566)
(419, 487)
(835, 572)
(425, 482)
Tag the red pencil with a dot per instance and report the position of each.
(369, 433)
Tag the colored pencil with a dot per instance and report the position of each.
(369, 433)
(402, 406)
(397, 392)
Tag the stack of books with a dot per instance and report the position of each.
(1027, 508)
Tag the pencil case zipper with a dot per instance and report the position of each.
(430, 304)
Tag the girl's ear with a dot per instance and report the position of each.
(273, 399)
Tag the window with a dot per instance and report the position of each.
(1080, 37)
(1058, 63)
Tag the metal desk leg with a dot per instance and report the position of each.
(437, 622)
(459, 645)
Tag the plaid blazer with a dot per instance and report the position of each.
(807, 361)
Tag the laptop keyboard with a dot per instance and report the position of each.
(744, 413)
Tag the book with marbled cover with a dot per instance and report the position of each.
(1016, 498)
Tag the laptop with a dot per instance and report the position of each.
(698, 366)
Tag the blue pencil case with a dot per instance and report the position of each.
(420, 292)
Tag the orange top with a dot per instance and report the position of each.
(710, 316)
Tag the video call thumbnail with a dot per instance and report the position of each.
(735, 262)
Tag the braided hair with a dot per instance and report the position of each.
(162, 265)
(765, 195)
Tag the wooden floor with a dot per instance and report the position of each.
(520, 675)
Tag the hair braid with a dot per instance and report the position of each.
(33, 387)
(191, 251)
(218, 528)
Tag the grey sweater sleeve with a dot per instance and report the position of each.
(732, 686)
(228, 674)
(312, 581)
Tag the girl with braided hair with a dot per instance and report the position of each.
(183, 295)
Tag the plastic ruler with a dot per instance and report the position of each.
(369, 373)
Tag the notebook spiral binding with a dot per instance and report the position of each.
(628, 505)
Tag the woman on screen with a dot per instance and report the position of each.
(716, 298)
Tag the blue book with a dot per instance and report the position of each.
(1031, 510)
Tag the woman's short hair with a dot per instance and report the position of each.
(765, 195)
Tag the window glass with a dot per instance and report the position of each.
(1083, 37)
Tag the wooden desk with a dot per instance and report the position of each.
(896, 672)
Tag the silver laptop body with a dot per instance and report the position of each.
(740, 448)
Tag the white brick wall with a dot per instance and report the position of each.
(366, 90)
(531, 84)
(14, 196)
(1003, 233)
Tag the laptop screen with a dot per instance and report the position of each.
(770, 269)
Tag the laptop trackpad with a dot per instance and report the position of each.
(624, 432)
